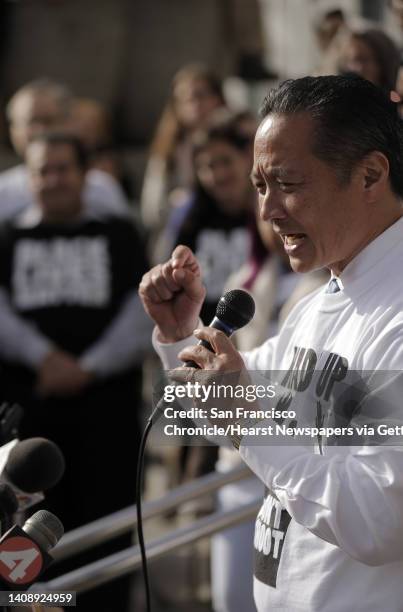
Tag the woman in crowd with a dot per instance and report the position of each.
(195, 93)
(372, 55)
(214, 221)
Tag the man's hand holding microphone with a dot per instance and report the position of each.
(173, 294)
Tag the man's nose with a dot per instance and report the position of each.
(271, 207)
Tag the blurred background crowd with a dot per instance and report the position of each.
(127, 128)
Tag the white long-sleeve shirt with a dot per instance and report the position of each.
(329, 536)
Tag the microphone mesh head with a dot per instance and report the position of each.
(236, 308)
(45, 528)
(35, 465)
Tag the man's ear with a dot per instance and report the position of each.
(375, 171)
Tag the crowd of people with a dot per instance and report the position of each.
(75, 338)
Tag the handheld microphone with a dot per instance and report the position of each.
(32, 466)
(24, 553)
(234, 310)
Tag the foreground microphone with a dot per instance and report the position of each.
(45, 529)
(234, 310)
(24, 552)
(33, 466)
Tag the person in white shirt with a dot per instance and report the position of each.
(329, 173)
(40, 106)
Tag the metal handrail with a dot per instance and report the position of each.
(123, 521)
(119, 564)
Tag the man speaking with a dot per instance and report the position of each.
(328, 169)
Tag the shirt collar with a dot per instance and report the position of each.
(373, 254)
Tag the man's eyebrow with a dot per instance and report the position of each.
(275, 172)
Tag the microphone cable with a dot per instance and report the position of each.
(139, 488)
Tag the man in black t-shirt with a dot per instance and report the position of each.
(72, 333)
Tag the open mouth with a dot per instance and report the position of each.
(292, 241)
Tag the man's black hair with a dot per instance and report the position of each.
(352, 118)
(64, 138)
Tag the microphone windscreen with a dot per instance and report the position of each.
(44, 528)
(8, 500)
(236, 308)
(35, 465)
